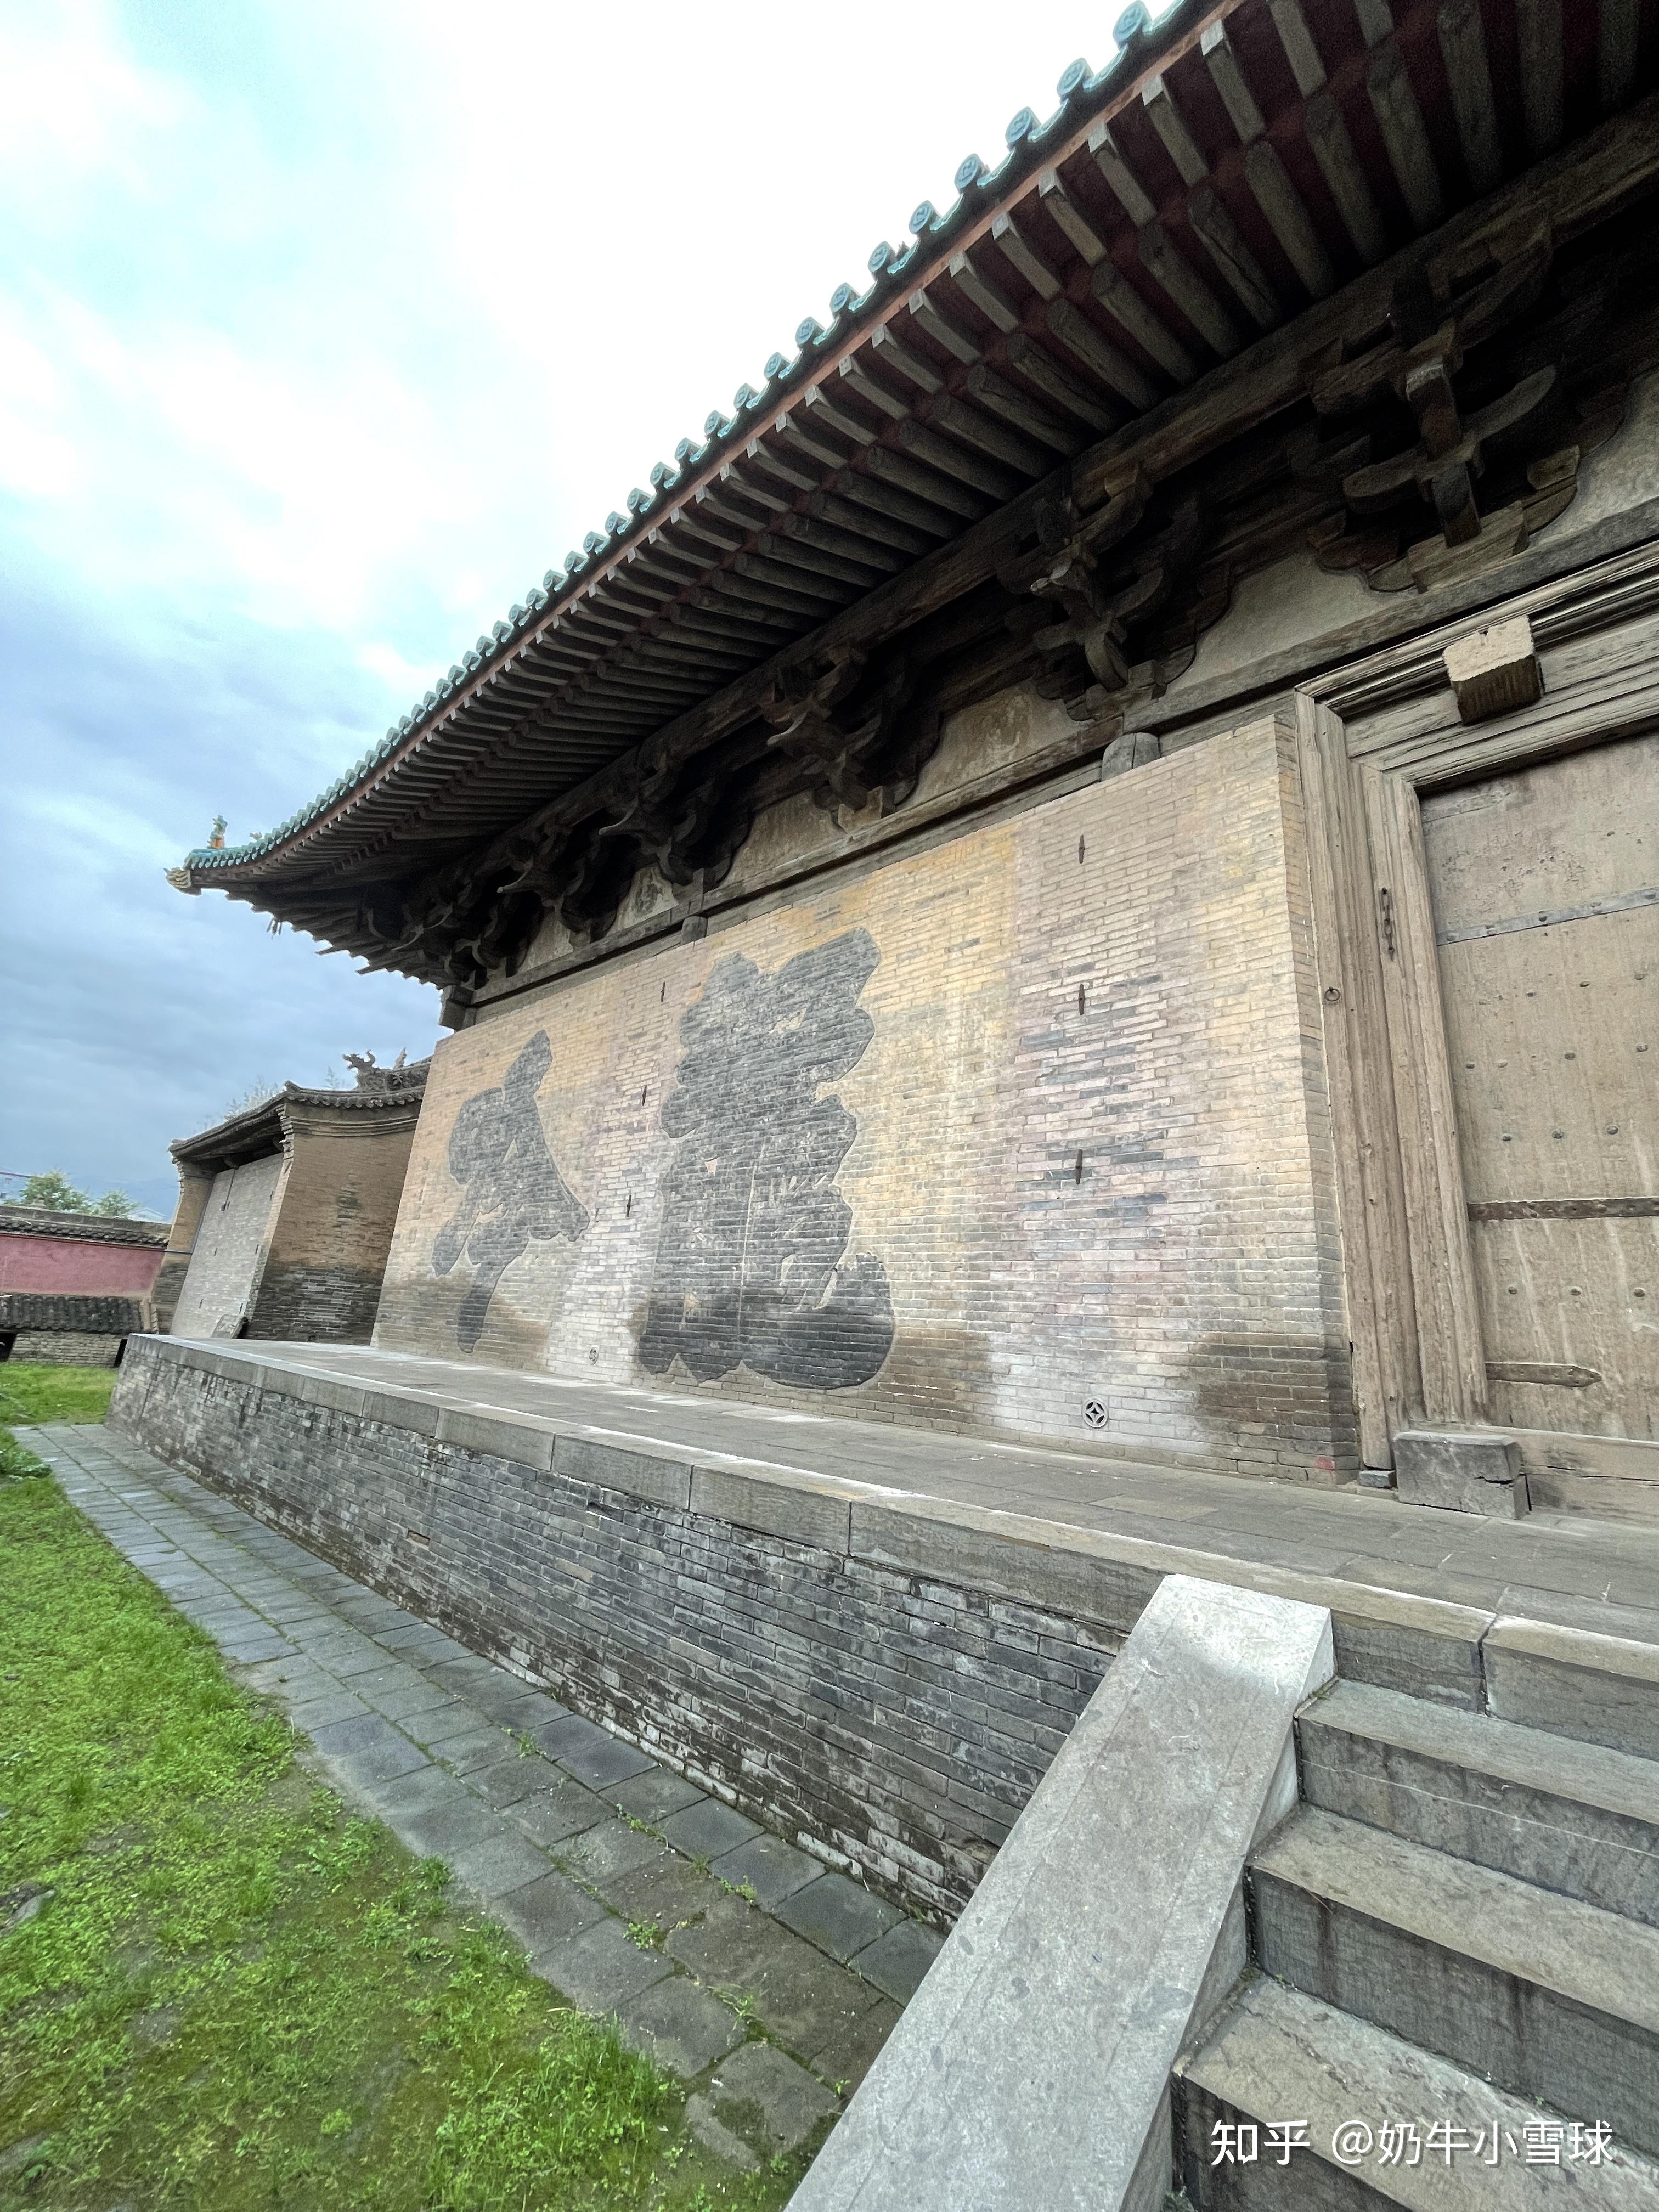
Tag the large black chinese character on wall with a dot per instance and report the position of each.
(751, 1264)
(512, 1189)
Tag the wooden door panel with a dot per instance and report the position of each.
(1571, 1299)
(1554, 1048)
(1545, 888)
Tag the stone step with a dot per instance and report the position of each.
(1543, 1995)
(1569, 1816)
(1280, 2055)
(1574, 1682)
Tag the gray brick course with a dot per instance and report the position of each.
(894, 1722)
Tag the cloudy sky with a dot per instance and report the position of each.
(324, 328)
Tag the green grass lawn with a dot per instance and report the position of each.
(30, 1391)
(220, 1990)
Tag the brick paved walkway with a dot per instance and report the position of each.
(750, 1972)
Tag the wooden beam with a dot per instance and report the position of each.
(1130, 313)
(1171, 124)
(1463, 47)
(949, 459)
(1269, 180)
(1038, 367)
(1334, 149)
(1581, 186)
(796, 554)
(1288, 219)
(993, 305)
(826, 536)
(748, 486)
(1375, 20)
(1619, 24)
(892, 352)
(1130, 193)
(872, 393)
(926, 484)
(820, 411)
(1539, 23)
(988, 435)
(1069, 218)
(886, 498)
(1099, 356)
(1228, 80)
(1298, 40)
(999, 397)
(1214, 225)
(1019, 254)
(1168, 267)
(868, 522)
(1394, 101)
(931, 318)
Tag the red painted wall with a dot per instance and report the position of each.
(65, 1266)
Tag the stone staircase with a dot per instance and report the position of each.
(1457, 1931)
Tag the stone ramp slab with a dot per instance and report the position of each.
(1029, 2073)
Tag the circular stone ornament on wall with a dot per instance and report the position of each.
(1094, 1413)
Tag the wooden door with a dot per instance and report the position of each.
(1545, 886)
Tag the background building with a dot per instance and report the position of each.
(75, 1286)
(286, 1212)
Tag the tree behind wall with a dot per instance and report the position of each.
(55, 1194)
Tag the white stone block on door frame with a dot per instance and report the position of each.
(1028, 2073)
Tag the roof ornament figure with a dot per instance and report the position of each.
(216, 835)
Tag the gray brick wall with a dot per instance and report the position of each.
(895, 1720)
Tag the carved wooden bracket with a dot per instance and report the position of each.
(1492, 471)
(855, 734)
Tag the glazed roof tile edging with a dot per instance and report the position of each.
(1028, 143)
(83, 1228)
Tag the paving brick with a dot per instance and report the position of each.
(605, 1852)
(759, 2085)
(497, 1864)
(547, 1911)
(317, 1713)
(550, 1816)
(599, 1970)
(409, 1701)
(897, 1961)
(682, 2028)
(509, 1779)
(839, 1916)
(478, 1747)
(706, 1831)
(848, 2047)
(437, 1724)
(769, 1867)
(450, 1827)
(601, 1765)
(381, 1761)
(651, 1795)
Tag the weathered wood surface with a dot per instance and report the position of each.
(1552, 1035)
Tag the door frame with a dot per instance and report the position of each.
(1373, 739)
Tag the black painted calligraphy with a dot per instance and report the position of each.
(512, 1190)
(751, 1265)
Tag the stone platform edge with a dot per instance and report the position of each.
(1424, 1647)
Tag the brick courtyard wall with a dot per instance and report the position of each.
(1030, 1139)
(895, 1721)
(321, 1278)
